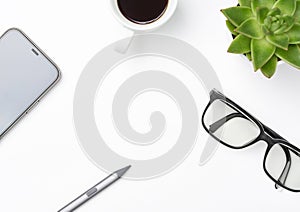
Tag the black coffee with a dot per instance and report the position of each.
(143, 11)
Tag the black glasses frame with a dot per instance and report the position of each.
(266, 134)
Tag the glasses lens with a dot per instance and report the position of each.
(230, 125)
(283, 165)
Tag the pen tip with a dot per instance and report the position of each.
(121, 172)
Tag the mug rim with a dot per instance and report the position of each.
(170, 10)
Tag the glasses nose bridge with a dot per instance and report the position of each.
(267, 138)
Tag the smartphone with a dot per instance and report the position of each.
(26, 75)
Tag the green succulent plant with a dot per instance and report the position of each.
(266, 31)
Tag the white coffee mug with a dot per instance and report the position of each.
(170, 10)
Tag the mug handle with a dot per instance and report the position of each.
(124, 46)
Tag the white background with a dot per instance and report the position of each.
(43, 167)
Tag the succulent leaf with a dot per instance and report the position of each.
(274, 11)
(246, 3)
(286, 22)
(275, 25)
(262, 14)
(251, 28)
(297, 12)
(261, 3)
(294, 34)
(237, 15)
(287, 7)
(269, 68)
(240, 45)
(262, 51)
(266, 30)
(291, 56)
(231, 27)
(248, 55)
(281, 41)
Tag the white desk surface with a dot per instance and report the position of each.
(43, 166)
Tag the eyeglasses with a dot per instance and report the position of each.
(234, 127)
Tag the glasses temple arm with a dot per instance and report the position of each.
(215, 126)
(283, 177)
(286, 170)
(287, 167)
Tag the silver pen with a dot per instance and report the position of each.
(86, 196)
